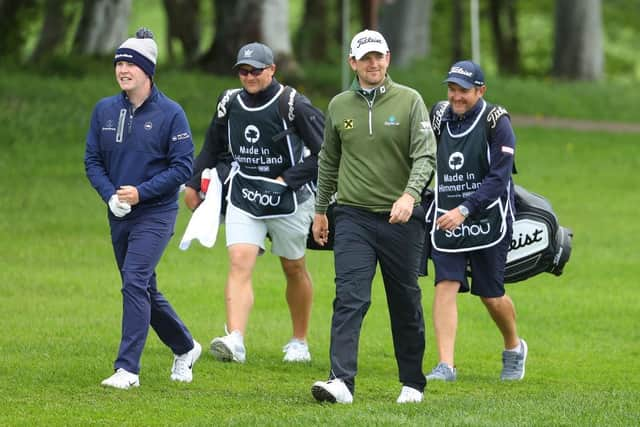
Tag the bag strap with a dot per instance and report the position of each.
(287, 112)
(228, 97)
(286, 105)
(436, 114)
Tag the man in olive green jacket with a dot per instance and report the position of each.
(378, 155)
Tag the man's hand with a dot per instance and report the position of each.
(128, 194)
(402, 209)
(117, 207)
(191, 198)
(320, 229)
(450, 220)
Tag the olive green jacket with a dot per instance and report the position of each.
(376, 147)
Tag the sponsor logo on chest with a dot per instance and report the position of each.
(392, 121)
(109, 126)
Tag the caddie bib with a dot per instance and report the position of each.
(261, 197)
(263, 151)
(462, 163)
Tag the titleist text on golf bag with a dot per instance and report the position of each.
(539, 243)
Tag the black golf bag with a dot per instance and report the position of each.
(538, 243)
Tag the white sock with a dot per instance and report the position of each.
(238, 335)
(448, 366)
(516, 349)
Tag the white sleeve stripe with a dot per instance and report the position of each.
(506, 149)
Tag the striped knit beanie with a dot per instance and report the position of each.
(141, 50)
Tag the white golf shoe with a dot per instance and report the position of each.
(410, 395)
(296, 351)
(122, 379)
(182, 369)
(229, 348)
(333, 391)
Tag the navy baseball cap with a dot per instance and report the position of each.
(466, 74)
(257, 55)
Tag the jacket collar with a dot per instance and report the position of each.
(379, 91)
(152, 97)
(262, 97)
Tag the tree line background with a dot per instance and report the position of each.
(563, 39)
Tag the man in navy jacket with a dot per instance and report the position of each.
(139, 151)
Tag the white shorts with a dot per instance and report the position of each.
(288, 234)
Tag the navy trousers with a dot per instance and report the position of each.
(363, 239)
(138, 244)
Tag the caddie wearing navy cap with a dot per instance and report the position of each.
(466, 74)
(473, 215)
(138, 153)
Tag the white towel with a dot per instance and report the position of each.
(205, 221)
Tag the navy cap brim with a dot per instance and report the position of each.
(460, 82)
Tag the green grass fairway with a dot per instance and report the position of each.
(61, 304)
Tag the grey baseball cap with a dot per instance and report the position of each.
(255, 54)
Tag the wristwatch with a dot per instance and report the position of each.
(463, 210)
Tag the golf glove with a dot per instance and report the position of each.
(118, 208)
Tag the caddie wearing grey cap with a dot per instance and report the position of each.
(138, 152)
(272, 134)
(256, 55)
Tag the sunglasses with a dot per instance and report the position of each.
(255, 72)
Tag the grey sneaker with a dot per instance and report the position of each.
(442, 372)
(513, 363)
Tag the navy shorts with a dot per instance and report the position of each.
(487, 268)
